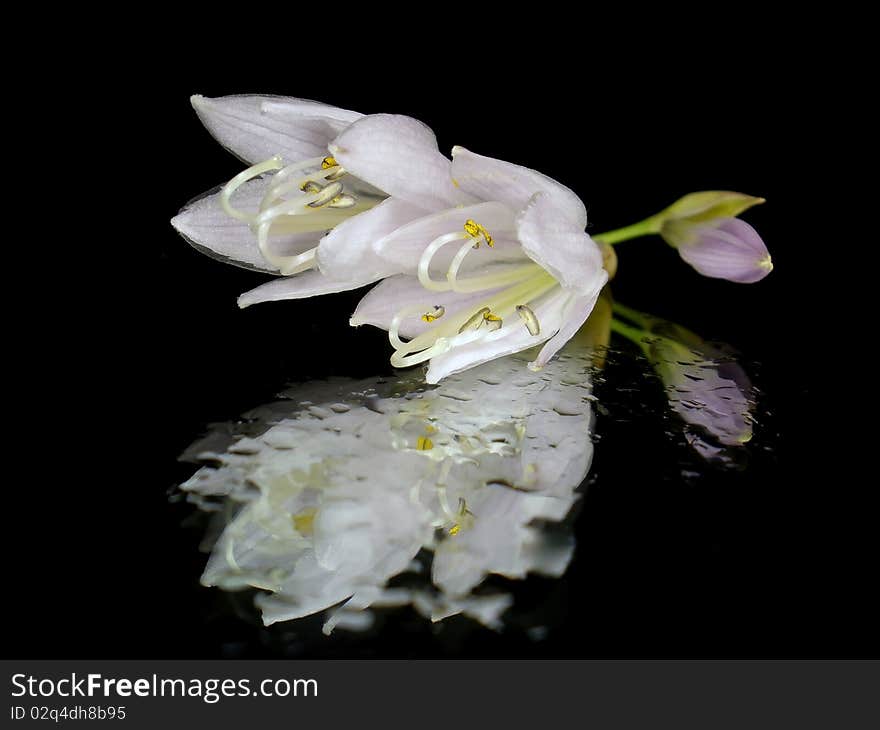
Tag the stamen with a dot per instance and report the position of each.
(273, 163)
(493, 321)
(475, 230)
(424, 444)
(437, 312)
(286, 264)
(442, 338)
(428, 254)
(330, 164)
(489, 281)
(327, 195)
(475, 321)
(531, 321)
(343, 201)
(441, 345)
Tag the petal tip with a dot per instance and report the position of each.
(244, 301)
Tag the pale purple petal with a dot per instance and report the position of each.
(310, 283)
(491, 179)
(406, 245)
(255, 127)
(399, 155)
(727, 248)
(564, 250)
(347, 250)
(205, 225)
(549, 312)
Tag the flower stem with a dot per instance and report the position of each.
(632, 315)
(636, 230)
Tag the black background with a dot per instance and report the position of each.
(134, 343)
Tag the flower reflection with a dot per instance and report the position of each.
(704, 385)
(342, 485)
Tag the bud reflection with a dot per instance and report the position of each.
(704, 385)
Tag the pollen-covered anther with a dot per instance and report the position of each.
(493, 321)
(529, 318)
(424, 444)
(330, 163)
(326, 196)
(475, 321)
(434, 314)
(475, 230)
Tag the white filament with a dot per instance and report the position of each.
(273, 163)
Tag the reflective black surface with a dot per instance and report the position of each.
(675, 556)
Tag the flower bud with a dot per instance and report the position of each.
(708, 236)
(723, 248)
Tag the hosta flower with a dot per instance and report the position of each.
(340, 487)
(704, 229)
(272, 216)
(486, 258)
(485, 280)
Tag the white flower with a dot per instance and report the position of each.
(272, 216)
(347, 484)
(535, 282)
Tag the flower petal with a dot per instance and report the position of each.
(576, 312)
(549, 312)
(491, 179)
(310, 283)
(347, 250)
(393, 294)
(551, 240)
(406, 245)
(256, 127)
(399, 155)
(727, 248)
(205, 225)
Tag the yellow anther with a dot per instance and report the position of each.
(455, 529)
(328, 162)
(531, 321)
(436, 313)
(474, 321)
(475, 230)
(310, 186)
(493, 321)
(424, 444)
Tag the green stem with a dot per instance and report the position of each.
(643, 320)
(636, 230)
